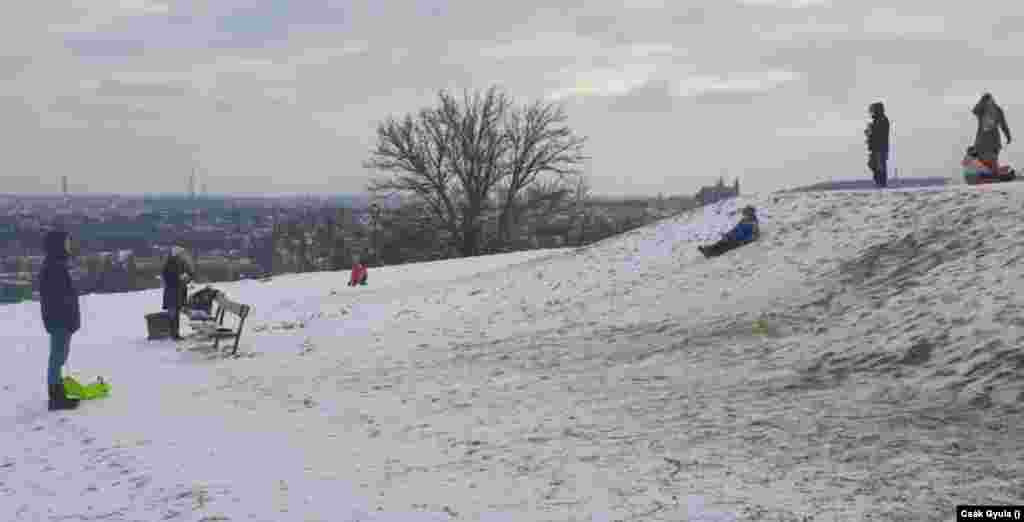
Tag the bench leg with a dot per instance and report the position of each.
(241, 325)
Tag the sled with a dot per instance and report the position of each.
(76, 390)
(1006, 174)
(721, 247)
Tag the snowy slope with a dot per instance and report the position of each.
(621, 381)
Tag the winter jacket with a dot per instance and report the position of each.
(746, 230)
(58, 296)
(878, 134)
(987, 140)
(359, 274)
(175, 287)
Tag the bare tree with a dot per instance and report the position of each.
(455, 156)
(581, 197)
(540, 142)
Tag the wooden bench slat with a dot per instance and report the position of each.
(241, 311)
(238, 309)
(222, 335)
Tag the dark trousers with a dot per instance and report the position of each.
(60, 345)
(879, 168)
(722, 247)
(175, 314)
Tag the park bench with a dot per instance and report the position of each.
(215, 329)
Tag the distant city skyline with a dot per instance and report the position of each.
(273, 97)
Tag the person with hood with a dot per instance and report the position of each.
(176, 274)
(359, 272)
(987, 141)
(877, 134)
(746, 231)
(62, 317)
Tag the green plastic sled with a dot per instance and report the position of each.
(75, 390)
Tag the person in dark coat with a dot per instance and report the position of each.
(987, 141)
(62, 317)
(176, 275)
(878, 143)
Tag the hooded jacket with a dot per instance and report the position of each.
(878, 131)
(175, 288)
(58, 296)
(987, 139)
(746, 230)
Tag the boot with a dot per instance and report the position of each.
(59, 401)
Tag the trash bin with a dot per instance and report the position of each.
(158, 325)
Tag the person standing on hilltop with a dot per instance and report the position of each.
(877, 134)
(176, 275)
(987, 141)
(62, 316)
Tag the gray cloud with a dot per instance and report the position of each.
(736, 98)
(223, 106)
(286, 95)
(653, 97)
(1006, 26)
(87, 47)
(12, 66)
(690, 17)
(116, 88)
(589, 25)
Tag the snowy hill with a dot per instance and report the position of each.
(862, 361)
(869, 184)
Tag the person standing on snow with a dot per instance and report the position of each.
(359, 273)
(62, 316)
(877, 134)
(176, 275)
(987, 141)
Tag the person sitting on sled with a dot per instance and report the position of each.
(359, 273)
(746, 231)
(975, 167)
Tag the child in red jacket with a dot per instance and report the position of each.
(359, 273)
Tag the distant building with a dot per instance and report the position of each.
(718, 192)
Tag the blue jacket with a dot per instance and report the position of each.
(745, 230)
(58, 296)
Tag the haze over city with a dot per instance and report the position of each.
(283, 97)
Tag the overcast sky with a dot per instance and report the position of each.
(284, 95)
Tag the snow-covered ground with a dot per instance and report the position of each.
(863, 361)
